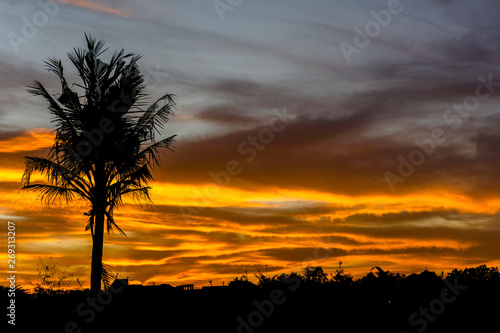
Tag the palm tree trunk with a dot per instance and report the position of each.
(98, 240)
(97, 249)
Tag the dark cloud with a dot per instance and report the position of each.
(226, 116)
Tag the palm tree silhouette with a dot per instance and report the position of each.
(104, 146)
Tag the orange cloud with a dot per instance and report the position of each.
(30, 140)
(212, 195)
(226, 230)
(96, 7)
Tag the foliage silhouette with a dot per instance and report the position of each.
(315, 275)
(480, 273)
(373, 302)
(48, 283)
(105, 146)
(341, 278)
(265, 280)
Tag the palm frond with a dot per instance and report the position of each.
(151, 153)
(64, 118)
(110, 225)
(49, 193)
(107, 276)
(90, 222)
(154, 118)
(57, 174)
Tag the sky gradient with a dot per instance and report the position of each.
(308, 132)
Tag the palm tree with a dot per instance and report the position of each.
(104, 147)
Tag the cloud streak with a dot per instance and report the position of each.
(97, 7)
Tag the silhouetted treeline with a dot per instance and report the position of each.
(309, 301)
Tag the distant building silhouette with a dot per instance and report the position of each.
(186, 287)
(120, 282)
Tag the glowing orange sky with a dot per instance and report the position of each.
(313, 134)
(193, 237)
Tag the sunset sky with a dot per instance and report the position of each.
(308, 132)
